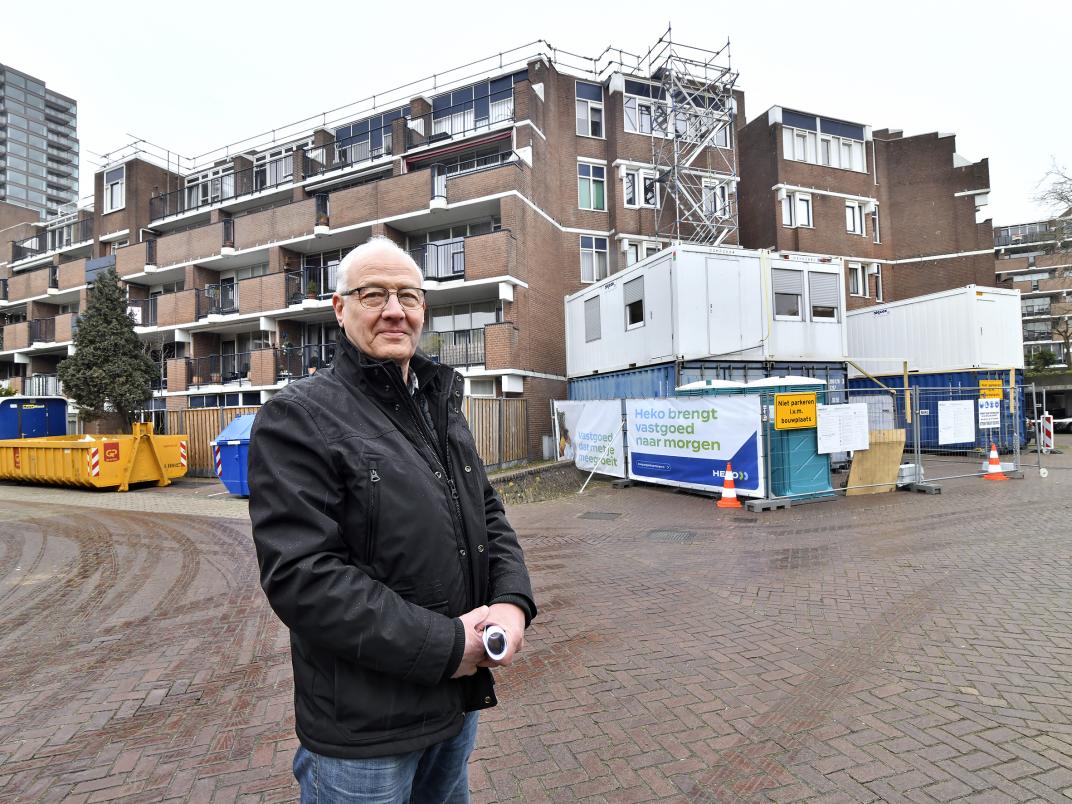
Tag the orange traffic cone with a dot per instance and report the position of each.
(993, 471)
(729, 491)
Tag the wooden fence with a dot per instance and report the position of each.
(202, 425)
(498, 425)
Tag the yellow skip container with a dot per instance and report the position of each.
(101, 461)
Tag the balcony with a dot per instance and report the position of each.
(142, 311)
(221, 189)
(1038, 336)
(43, 330)
(43, 385)
(460, 120)
(221, 299)
(293, 362)
(228, 369)
(1035, 309)
(329, 157)
(487, 255)
(56, 239)
(311, 283)
(458, 349)
(441, 261)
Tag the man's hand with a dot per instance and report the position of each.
(474, 641)
(512, 620)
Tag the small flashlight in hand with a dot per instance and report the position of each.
(495, 642)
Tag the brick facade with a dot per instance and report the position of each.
(928, 236)
(261, 293)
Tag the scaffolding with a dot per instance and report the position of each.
(692, 142)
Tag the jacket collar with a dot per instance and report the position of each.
(354, 367)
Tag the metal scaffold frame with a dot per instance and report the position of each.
(699, 178)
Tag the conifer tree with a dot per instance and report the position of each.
(109, 371)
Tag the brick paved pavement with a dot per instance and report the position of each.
(899, 648)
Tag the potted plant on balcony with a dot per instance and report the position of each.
(312, 290)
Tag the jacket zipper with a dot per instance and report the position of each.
(374, 504)
(456, 511)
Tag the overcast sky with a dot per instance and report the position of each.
(195, 76)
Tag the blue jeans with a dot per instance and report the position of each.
(438, 774)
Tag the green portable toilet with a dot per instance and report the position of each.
(796, 468)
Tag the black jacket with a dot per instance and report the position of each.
(373, 533)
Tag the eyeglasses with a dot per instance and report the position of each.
(375, 298)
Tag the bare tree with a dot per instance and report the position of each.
(1057, 190)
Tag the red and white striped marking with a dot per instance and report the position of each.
(182, 454)
(1047, 432)
(219, 461)
(93, 461)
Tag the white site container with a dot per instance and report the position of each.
(702, 302)
(971, 327)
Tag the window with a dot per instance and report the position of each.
(276, 166)
(715, 201)
(823, 296)
(593, 258)
(857, 279)
(591, 184)
(210, 187)
(823, 141)
(788, 288)
(854, 217)
(877, 268)
(589, 109)
(481, 387)
(633, 295)
(115, 188)
(640, 189)
(591, 320)
(874, 225)
(796, 209)
(115, 245)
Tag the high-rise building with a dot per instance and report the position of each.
(38, 144)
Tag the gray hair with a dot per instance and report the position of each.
(358, 255)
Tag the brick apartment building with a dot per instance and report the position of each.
(1036, 257)
(511, 188)
(902, 213)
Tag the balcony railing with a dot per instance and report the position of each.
(300, 361)
(445, 260)
(221, 299)
(159, 381)
(1035, 309)
(43, 330)
(1038, 336)
(60, 237)
(3, 290)
(371, 146)
(311, 283)
(462, 119)
(228, 369)
(54, 277)
(142, 311)
(218, 189)
(459, 348)
(44, 385)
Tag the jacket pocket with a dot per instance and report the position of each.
(372, 521)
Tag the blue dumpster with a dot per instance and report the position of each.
(33, 417)
(230, 451)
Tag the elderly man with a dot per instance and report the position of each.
(385, 550)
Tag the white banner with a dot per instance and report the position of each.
(688, 442)
(590, 435)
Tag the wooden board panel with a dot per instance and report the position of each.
(874, 470)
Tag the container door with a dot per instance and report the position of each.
(34, 421)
